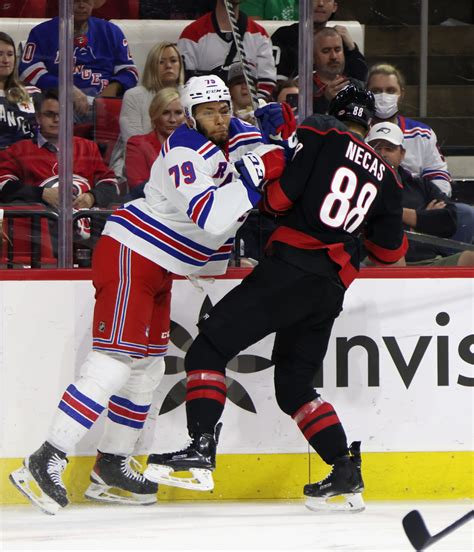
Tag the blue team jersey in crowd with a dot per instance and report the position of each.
(101, 55)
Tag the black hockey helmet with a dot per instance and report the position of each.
(353, 104)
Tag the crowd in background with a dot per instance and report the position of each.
(145, 109)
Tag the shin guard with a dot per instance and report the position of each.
(83, 401)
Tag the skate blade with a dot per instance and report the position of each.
(352, 504)
(23, 480)
(103, 493)
(201, 479)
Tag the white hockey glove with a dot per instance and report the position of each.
(252, 175)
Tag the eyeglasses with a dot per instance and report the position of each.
(50, 114)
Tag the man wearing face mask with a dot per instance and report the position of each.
(422, 157)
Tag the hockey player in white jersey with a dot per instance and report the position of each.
(207, 177)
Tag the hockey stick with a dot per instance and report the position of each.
(418, 534)
(249, 81)
(441, 242)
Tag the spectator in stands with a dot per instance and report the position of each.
(207, 46)
(166, 114)
(287, 91)
(285, 42)
(422, 157)
(111, 9)
(169, 9)
(329, 76)
(163, 68)
(279, 10)
(29, 168)
(103, 63)
(425, 208)
(241, 99)
(17, 111)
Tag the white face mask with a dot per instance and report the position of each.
(386, 105)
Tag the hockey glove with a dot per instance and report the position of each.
(278, 125)
(273, 158)
(252, 175)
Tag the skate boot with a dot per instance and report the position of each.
(44, 467)
(345, 480)
(113, 479)
(199, 458)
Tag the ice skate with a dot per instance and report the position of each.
(113, 479)
(40, 479)
(344, 481)
(198, 458)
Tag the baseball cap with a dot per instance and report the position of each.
(237, 73)
(385, 131)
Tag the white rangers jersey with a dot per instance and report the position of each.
(194, 203)
(423, 157)
(205, 47)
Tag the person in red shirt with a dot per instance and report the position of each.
(166, 114)
(29, 168)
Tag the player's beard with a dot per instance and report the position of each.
(220, 142)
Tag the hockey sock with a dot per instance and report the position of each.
(125, 420)
(320, 425)
(83, 401)
(206, 389)
(128, 408)
(205, 399)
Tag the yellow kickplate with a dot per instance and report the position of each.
(387, 476)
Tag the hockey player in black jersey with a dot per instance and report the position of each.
(335, 189)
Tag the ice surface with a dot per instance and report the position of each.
(211, 525)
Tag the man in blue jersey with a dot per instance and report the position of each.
(206, 179)
(103, 65)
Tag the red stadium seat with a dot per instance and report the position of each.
(21, 234)
(106, 124)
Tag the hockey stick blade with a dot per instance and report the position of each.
(241, 51)
(418, 534)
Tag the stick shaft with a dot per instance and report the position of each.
(461, 521)
(241, 51)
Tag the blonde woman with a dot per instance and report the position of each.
(17, 112)
(163, 67)
(166, 114)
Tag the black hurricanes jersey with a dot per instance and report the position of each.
(335, 189)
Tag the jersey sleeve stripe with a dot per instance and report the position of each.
(200, 206)
(34, 73)
(245, 136)
(416, 134)
(384, 255)
(442, 175)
